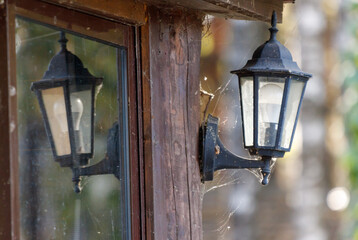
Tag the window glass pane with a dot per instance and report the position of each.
(82, 119)
(54, 102)
(293, 101)
(270, 99)
(49, 208)
(247, 99)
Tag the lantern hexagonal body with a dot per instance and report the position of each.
(271, 89)
(66, 95)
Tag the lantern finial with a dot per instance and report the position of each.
(63, 40)
(273, 28)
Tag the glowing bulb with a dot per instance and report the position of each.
(59, 109)
(77, 110)
(270, 103)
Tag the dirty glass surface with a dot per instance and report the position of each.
(247, 98)
(270, 101)
(85, 123)
(58, 128)
(293, 101)
(49, 207)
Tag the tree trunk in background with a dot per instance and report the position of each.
(174, 54)
(311, 214)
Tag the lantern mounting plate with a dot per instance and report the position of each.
(216, 156)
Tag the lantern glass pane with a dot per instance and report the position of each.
(55, 107)
(270, 101)
(81, 105)
(247, 99)
(293, 101)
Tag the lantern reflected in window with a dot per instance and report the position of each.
(66, 95)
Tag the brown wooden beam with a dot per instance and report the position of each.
(171, 119)
(237, 9)
(12, 127)
(133, 11)
(5, 190)
(60, 17)
(123, 10)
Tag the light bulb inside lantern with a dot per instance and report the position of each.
(270, 107)
(59, 109)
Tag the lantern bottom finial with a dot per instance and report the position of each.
(266, 170)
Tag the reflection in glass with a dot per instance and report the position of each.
(48, 206)
(54, 102)
(81, 115)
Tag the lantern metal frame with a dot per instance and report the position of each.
(66, 70)
(276, 150)
(270, 60)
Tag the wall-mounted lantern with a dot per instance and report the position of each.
(67, 94)
(271, 89)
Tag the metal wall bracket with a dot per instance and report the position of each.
(109, 165)
(215, 156)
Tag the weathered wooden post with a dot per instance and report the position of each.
(174, 56)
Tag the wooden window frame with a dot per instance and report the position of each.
(88, 25)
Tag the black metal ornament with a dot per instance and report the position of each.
(271, 66)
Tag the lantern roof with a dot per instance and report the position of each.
(66, 65)
(272, 57)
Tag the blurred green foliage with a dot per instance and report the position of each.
(350, 89)
(350, 100)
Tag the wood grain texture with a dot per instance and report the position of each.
(140, 132)
(5, 191)
(236, 9)
(12, 127)
(133, 104)
(73, 21)
(174, 47)
(130, 11)
(147, 133)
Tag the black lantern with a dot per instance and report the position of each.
(271, 89)
(66, 95)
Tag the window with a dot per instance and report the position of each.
(48, 206)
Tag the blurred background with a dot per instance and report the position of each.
(312, 194)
